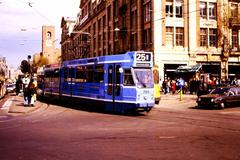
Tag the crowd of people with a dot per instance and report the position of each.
(195, 86)
(28, 86)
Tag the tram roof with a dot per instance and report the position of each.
(119, 58)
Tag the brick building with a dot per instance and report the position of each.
(179, 32)
(108, 27)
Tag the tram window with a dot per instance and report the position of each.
(118, 78)
(71, 73)
(110, 71)
(128, 79)
(80, 74)
(89, 74)
(65, 75)
(118, 74)
(144, 78)
(99, 74)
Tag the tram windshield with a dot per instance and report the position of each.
(144, 78)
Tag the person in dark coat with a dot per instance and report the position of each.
(26, 81)
(31, 92)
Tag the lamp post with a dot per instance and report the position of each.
(29, 62)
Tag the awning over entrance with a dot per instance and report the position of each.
(187, 69)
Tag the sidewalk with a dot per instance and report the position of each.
(170, 100)
(14, 105)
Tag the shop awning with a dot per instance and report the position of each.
(187, 69)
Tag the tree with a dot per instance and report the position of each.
(25, 66)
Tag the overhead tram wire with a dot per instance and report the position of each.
(30, 4)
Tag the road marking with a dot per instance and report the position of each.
(7, 104)
(230, 112)
(166, 137)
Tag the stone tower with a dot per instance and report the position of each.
(48, 44)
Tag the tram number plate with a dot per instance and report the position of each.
(143, 57)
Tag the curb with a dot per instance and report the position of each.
(16, 106)
(170, 100)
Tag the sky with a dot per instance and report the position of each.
(21, 25)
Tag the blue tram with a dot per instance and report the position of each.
(118, 83)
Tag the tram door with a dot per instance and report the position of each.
(67, 81)
(113, 86)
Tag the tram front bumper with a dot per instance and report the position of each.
(145, 105)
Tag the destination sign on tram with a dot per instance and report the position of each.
(143, 57)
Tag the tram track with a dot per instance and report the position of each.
(216, 121)
(200, 118)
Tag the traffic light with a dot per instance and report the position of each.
(25, 66)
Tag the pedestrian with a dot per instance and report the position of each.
(31, 92)
(25, 82)
(173, 86)
(164, 86)
(18, 85)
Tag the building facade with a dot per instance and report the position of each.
(105, 27)
(67, 25)
(3, 68)
(193, 32)
(178, 32)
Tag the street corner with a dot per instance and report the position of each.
(175, 100)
